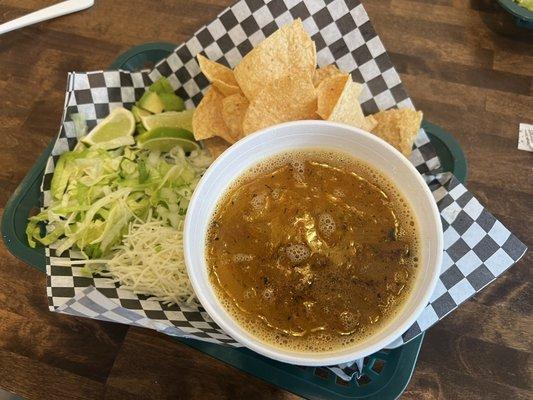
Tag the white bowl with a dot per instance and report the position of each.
(325, 135)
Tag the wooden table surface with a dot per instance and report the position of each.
(466, 78)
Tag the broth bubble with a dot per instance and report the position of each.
(326, 224)
(298, 253)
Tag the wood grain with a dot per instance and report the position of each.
(466, 78)
(149, 363)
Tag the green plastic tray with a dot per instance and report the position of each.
(385, 373)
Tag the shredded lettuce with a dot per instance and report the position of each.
(80, 124)
(97, 193)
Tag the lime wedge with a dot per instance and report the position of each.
(167, 144)
(114, 131)
(165, 132)
(164, 139)
(138, 113)
(171, 119)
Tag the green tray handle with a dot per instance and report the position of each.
(18, 208)
(143, 56)
(450, 154)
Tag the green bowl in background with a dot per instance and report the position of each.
(523, 17)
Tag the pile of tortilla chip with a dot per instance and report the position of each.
(278, 82)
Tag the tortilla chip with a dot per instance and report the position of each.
(325, 72)
(289, 98)
(233, 110)
(329, 93)
(338, 102)
(216, 146)
(398, 127)
(225, 89)
(207, 120)
(289, 50)
(219, 75)
(371, 123)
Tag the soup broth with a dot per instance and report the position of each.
(312, 251)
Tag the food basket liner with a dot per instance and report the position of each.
(477, 247)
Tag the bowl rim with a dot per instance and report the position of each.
(306, 359)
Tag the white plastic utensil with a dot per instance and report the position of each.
(57, 10)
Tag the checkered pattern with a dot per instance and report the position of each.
(347, 371)
(72, 292)
(96, 303)
(477, 247)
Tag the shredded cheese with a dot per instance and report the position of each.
(150, 262)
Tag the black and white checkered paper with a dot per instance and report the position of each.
(477, 247)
